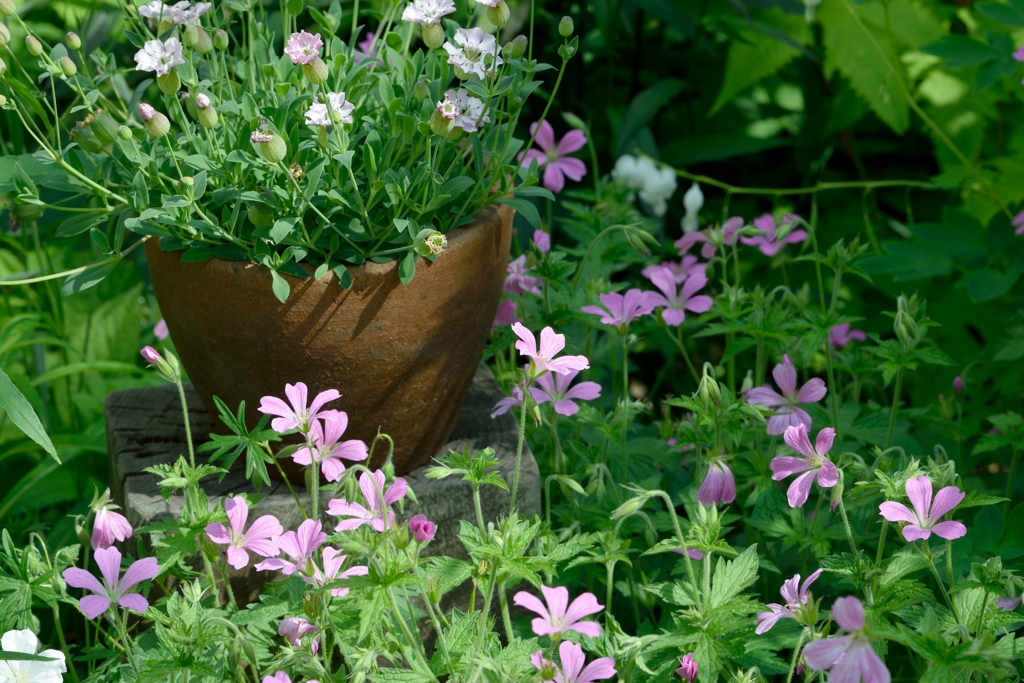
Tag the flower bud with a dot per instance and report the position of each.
(400, 537)
(84, 134)
(261, 215)
(67, 67)
(420, 91)
(518, 46)
(5, 35)
(3, 100)
(316, 71)
(748, 383)
(3, 68)
(220, 40)
(7, 8)
(34, 47)
(73, 41)
(169, 83)
(156, 123)
(433, 590)
(167, 367)
(205, 42)
(565, 27)
(27, 213)
(708, 390)
(499, 14)
(445, 112)
(433, 35)
(124, 132)
(429, 243)
(104, 126)
(271, 147)
(191, 36)
(628, 508)
(422, 529)
(207, 114)
(958, 385)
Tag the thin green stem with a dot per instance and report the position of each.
(409, 637)
(505, 617)
(796, 656)
(783, 191)
(284, 478)
(895, 407)
(625, 408)
(188, 426)
(519, 454)
(63, 643)
(846, 526)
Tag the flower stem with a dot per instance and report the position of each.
(519, 453)
(609, 568)
(846, 525)
(796, 656)
(409, 636)
(505, 618)
(625, 408)
(286, 481)
(188, 427)
(63, 644)
(895, 407)
(679, 534)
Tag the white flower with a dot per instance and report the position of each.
(693, 201)
(192, 14)
(473, 47)
(30, 672)
(427, 11)
(178, 13)
(469, 110)
(318, 114)
(158, 56)
(656, 186)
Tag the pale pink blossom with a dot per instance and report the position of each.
(333, 561)
(849, 658)
(319, 113)
(260, 538)
(294, 628)
(622, 309)
(469, 110)
(279, 677)
(115, 588)
(299, 546)
(422, 529)
(572, 669)
(1008, 604)
(553, 155)
(367, 49)
(151, 355)
(379, 515)
(542, 240)
(712, 238)
(330, 450)
(297, 415)
(109, 526)
(785, 405)
(719, 486)
(160, 330)
(676, 301)
(688, 667)
(814, 463)
(768, 243)
(958, 385)
(427, 11)
(505, 314)
(159, 56)
(303, 47)
(923, 520)
(841, 335)
(474, 52)
(558, 616)
(517, 281)
(543, 358)
(796, 596)
(1018, 220)
(692, 553)
(557, 389)
(677, 270)
(508, 403)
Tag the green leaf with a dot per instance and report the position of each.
(407, 267)
(280, 286)
(371, 609)
(282, 228)
(525, 208)
(20, 411)
(76, 225)
(1011, 15)
(732, 576)
(90, 277)
(910, 261)
(642, 111)
(960, 51)
(987, 284)
(23, 657)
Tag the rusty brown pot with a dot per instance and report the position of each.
(402, 356)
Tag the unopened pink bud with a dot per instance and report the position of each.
(958, 385)
(146, 112)
(151, 355)
(422, 529)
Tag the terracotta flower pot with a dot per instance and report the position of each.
(402, 356)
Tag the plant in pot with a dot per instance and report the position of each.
(313, 205)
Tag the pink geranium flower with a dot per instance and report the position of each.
(785, 404)
(620, 310)
(542, 240)
(813, 463)
(299, 546)
(260, 538)
(379, 515)
(508, 403)
(712, 238)
(333, 560)
(160, 330)
(303, 48)
(1018, 220)
(557, 165)
(841, 335)
(719, 486)
(293, 628)
(542, 359)
(769, 243)
(114, 587)
(849, 658)
(688, 667)
(330, 449)
(297, 415)
(677, 302)
(796, 596)
(924, 519)
(109, 526)
(505, 315)
(678, 270)
(517, 281)
(279, 677)
(558, 616)
(557, 390)
(1008, 604)
(422, 529)
(572, 670)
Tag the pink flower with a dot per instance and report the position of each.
(1018, 54)
(677, 302)
(812, 463)
(543, 359)
(557, 165)
(849, 658)
(517, 281)
(293, 628)
(108, 527)
(713, 238)
(329, 447)
(333, 560)
(718, 486)
(114, 587)
(678, 270)
(785, 404)
(693, 553)
(151, 355)
(279, 677)
(296, 415)
(558, 615)
(379, 515)
(796, 597)
(303, 48)
(300, 546)
(160, 330)
(542, 240)
(687, 665)
(958, 385)
(620, 310)
(924, 520)
(509, 402)
(1008, 604)
(506, 314)
(768, 243)
(260, 538)
(841, 335)
(555, 388)
(1018, 220)
(422, 529)
(573, 670)
(366, 50)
